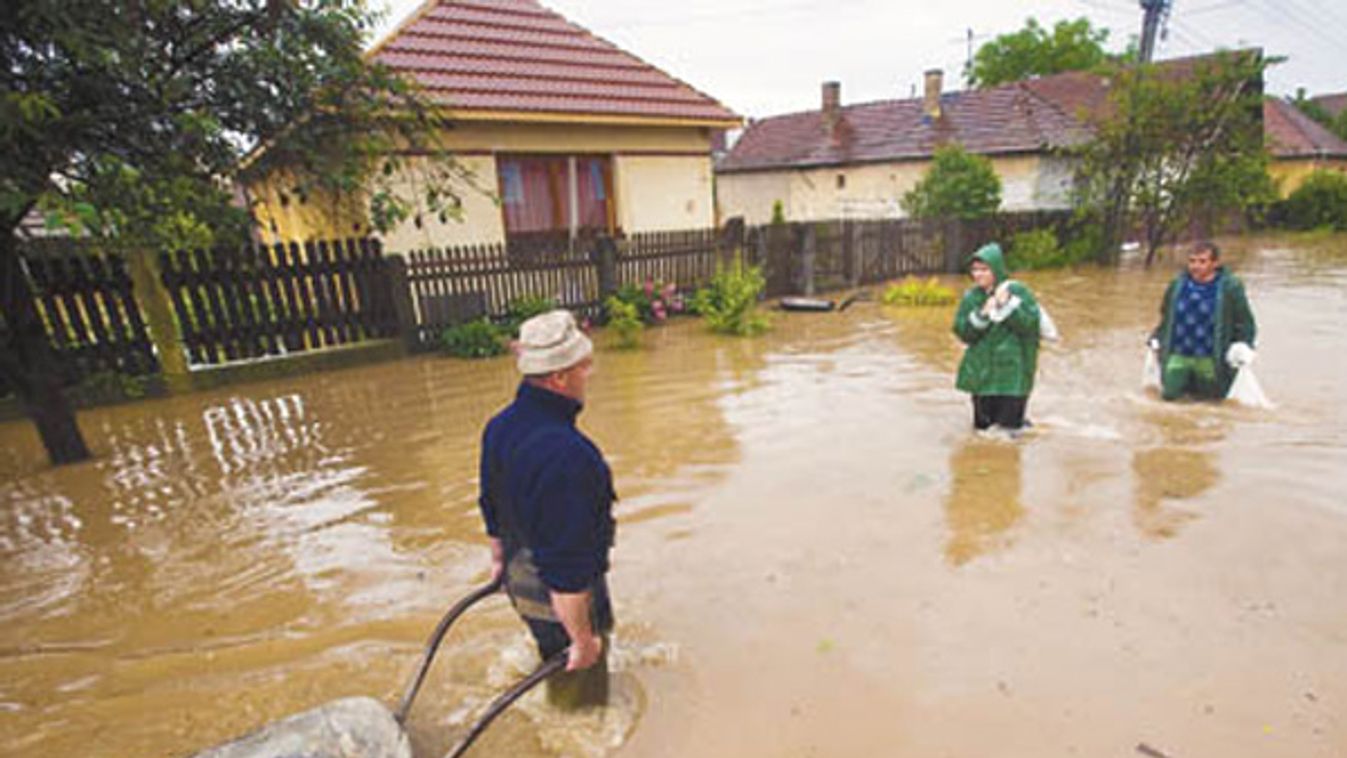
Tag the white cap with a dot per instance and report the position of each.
(551, 342)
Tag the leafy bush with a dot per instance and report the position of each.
(654, 301)
(625, 320)
(1086, 241)
(729, 304)
(474, 339)
(1321, 201)
(524, 308)
(1036, 249)
(914, 291)
(778, 212)
(958, 184)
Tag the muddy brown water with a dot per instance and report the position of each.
(815, 556)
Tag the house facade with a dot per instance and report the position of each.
(1298, 145)
(858, 161)
(560, 132)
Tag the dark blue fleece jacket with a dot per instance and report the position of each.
(546, 487)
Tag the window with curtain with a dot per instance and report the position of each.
(538, 192)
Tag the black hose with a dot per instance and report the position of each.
(433, 645)
(545, 669)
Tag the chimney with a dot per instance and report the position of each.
(931, 106)
(832, 105)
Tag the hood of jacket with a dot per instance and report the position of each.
(991, 255)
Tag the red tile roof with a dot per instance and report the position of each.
(1334, 104)
(516, 55)
(1034, 115)
(1289, 133)
(1000, 120)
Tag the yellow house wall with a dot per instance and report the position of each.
(874, 190)
(664, 193)
(1290, 174)
(662, 178)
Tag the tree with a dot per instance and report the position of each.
(127, 123)
(1177, 146)
(1034, 51)
(1320, 202)
(958, 184)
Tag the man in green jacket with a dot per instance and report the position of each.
(998, 320)
(1206, 330)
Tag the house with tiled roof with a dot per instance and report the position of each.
(564, 132)
(857, 161)
(1333, 104)
(1298, 145)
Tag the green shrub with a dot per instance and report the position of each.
(474, 339)
(1086, 241)
(524, 308)
(778, 212)
(625, 321)
(914, 291)
(959, 184)
(1036, 249)
(1321, 201)
(655, 301)
(729, 304)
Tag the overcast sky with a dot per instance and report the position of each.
(765, 57)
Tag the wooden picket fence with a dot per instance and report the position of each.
(452, 285)
(252, 301)
(85, 300)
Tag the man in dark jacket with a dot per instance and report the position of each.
(546, 498)
(998, 320)
(1206, 330)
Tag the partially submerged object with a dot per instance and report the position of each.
(807, 304)
(362, 727)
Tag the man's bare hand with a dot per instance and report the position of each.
(497, 559)
(584, 652)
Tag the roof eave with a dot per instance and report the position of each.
(588, 119)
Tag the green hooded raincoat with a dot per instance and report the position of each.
(1002, 356)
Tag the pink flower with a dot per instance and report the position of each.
(669, 290)
(658, 309)
(676, 304)
(649, 288)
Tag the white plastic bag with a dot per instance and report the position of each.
(1150, 371)
(1246, 390)
(1047, 328)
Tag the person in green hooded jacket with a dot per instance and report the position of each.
(998, 320)
(1206, 330)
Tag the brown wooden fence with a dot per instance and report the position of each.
(456, 284)
(247, 302)
(85, 300)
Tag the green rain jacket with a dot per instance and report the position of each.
(1234, 323)
(1002, 353)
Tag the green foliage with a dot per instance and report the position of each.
(1085, 241)
(625, 321)
(474, 339)
(1175, 149)
(1036, 51)
(1040, 248)
(914, 291)
(958, 184)
(729, 304)
(1320, 202)
(131, 122)
(778, 212)
(1336, 124)
(522, 309)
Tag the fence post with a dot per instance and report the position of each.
(151, 295)
(855, 260)
(953, 239)
(604, 257)
(400, 296)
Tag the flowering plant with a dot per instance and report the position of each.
(655, 301)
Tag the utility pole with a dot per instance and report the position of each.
(1155, 11)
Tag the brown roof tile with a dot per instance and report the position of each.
(516, 55)
(1334, 104)
(1001, 120)
(1289, 133)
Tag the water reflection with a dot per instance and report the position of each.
(1179, 469)
(983, 503)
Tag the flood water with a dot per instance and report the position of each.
(816, 556)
